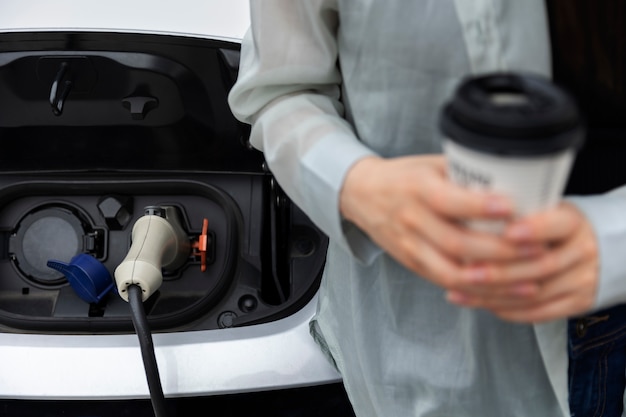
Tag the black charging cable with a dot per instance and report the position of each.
(140, 322)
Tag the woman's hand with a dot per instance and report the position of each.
(561, 281)
(411, 210)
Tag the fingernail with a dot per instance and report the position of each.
(475, 274)
(518, 231)
(528, 251)
(455, 297)
(525, 289)
(498, 206)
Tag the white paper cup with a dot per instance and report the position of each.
(533, 183)
(513, 134)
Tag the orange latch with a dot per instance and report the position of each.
(200, 246)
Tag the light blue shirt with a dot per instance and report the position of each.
(401, 349)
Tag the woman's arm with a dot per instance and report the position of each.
(289, 90)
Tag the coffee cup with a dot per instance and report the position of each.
(515, 134)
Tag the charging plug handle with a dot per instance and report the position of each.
(159, 243)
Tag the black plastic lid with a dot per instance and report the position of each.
(509, 113)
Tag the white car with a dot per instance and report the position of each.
(108, 107)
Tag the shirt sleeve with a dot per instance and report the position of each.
(289, 89)
(606, 214)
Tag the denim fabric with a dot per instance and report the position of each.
(597, 350)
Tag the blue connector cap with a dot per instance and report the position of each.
(88, 276)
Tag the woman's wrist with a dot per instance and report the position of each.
(356, 185)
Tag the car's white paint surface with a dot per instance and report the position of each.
(221, 19)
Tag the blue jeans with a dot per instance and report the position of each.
(597, 363)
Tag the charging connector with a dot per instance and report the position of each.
(158, 242)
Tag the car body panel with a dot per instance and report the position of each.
(253, 358)
(216, 19)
